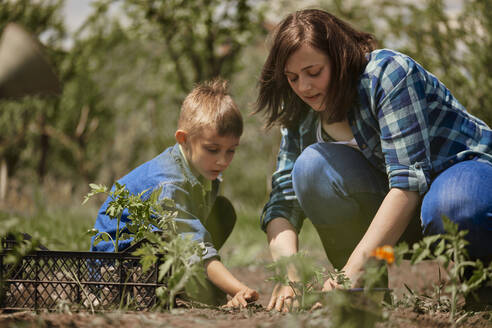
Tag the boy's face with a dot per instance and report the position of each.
(208, 153)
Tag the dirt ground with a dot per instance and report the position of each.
(255, 316)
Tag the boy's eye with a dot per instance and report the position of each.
(212, 150)
(231, 151)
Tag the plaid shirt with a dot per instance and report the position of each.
(406, 124)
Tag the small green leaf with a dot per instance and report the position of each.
(164, 268)
(125, 236)
(97, 240)
(440, 248)
(92, 232)
(420, 255)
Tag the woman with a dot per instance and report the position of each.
(374, 148)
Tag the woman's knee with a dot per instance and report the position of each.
(460, 194)
(333, 183)
(335, 171)
(312, 176)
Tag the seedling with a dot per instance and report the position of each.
(151, 222)
(310, 277)
(450, 250)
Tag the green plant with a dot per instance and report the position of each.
(151, 221)
(450, 250)
(21, 247)
(144, 215)
(310, 278)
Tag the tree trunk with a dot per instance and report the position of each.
(44, 145)
(3, 179)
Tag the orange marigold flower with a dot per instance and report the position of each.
(384, 253)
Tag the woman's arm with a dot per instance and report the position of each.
(223, 278)
(282, 238)
(283, 241)
(391, 220)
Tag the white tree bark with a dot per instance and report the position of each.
(3, 179)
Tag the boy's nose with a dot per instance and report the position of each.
(221, 160)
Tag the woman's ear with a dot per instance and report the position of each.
(181, 137)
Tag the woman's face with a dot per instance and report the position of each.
(308, 73)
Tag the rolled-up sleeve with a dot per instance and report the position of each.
(403, 124)
(283, 201)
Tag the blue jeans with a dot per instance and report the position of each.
(340, 192)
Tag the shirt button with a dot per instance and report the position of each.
(471, 157)
(363, 146)
(451, 161)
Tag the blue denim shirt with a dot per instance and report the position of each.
(193, 203)
(406, 124)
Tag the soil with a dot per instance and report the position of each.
(256, 315)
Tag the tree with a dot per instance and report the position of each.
(62, 131)
(22, 121)
(202, 38)
(454, 45)
(476, 34)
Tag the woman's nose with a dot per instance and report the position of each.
(304, 85)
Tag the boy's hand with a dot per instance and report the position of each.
(282, 299)
(242, 298)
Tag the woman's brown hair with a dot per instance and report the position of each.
(345, 47)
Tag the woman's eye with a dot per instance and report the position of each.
(231, 151)
(212, 150)
(314, 74)
(291, 77)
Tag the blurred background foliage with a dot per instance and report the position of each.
(128, 67)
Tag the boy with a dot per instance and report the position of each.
(209, 128)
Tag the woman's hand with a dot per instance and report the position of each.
(282, 299)
(242, 298)
(330, 284)
(282, 240)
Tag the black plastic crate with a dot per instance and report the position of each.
(81, 280)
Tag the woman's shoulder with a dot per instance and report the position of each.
(388, 62)
(386, 68)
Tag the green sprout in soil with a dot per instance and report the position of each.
(449, 249)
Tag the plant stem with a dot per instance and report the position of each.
(454, 279)
(117, 237)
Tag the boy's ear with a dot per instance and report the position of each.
(181, 136)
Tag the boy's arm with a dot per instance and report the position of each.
(223, 278)
(188, 223)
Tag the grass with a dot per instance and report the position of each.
(248, 245)
(62, 229)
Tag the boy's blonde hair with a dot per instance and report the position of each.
(209, 105)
